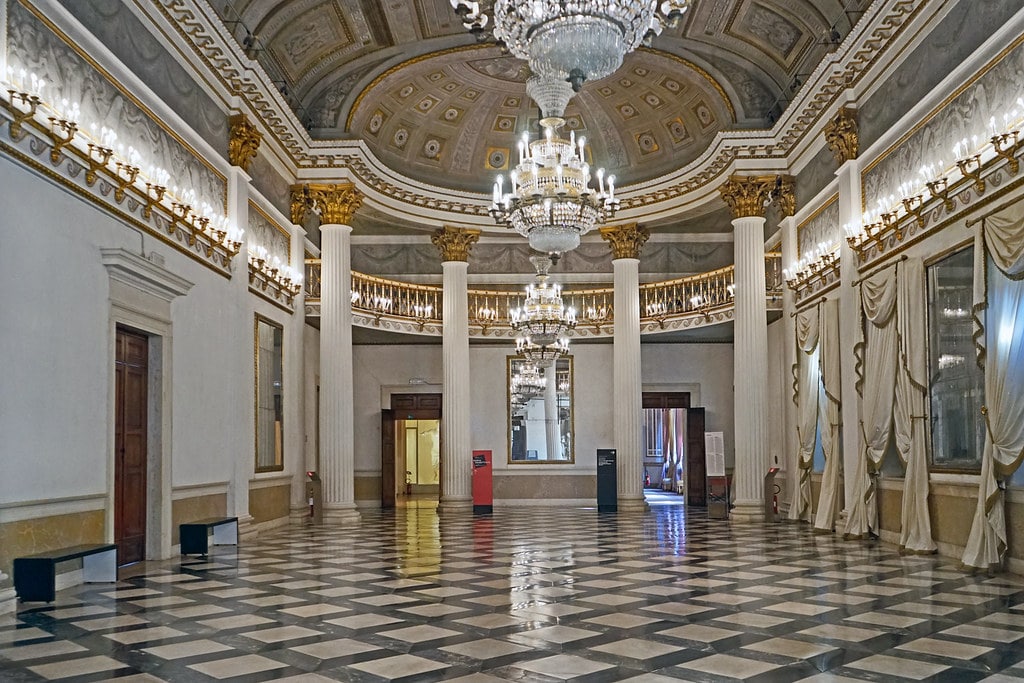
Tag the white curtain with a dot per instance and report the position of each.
(999, 314)
(808, 382)
(910, 421)
(876, 382)
(829, 410)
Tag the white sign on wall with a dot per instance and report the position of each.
(714, 453)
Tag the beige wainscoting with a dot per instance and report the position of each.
(544, 486)
(189, 509)
(890, 507)
(270, 503)
(367, 489)
(22, 537)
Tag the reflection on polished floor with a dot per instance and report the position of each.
(531, 594)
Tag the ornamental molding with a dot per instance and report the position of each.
(335, 203)
(243, 141)
(860, 54)
(626, 241)
(454, 243)
(748, 196)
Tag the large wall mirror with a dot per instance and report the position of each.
(540, 421)
(269, 356)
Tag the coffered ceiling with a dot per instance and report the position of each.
(429, 101)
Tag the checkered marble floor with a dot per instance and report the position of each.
(531, 594)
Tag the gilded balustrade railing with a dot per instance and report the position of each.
(491, 309)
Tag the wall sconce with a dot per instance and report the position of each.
(1006, 146)
(914, 206)
(125, 176)
(98, 158)
(22, 106)
(971, 168)
(939, 189)
(62, 132)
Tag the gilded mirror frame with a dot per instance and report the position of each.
(268, 396)
(567, 431)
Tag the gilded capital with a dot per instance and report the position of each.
(626, 240)
(243, 141)
(748, 195)
(841, 135)
(454, 243)
(786, 197)
(335, 203)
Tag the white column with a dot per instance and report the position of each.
(337, 444)
(849, 213)
(456, 456)
(626, 384)
(294, 381)
(789, 441)
(241, 321)
(750, 381)
(553, 442)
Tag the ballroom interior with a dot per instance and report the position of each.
(410, 290)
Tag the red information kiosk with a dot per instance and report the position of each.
(483, 495)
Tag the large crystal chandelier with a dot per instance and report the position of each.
(528, 382)
(549, 199)
(572, 40)
(543, 319)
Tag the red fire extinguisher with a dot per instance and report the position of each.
(647, 479)
(775, 500)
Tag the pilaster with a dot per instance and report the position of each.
(627, 389)
(790, 255)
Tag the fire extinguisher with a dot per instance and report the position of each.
(775, 500)
(647, 479)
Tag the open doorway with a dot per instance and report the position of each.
(411, 450)
(674, 470)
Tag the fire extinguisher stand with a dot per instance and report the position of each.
(771, 498)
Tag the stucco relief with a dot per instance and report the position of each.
(927, 151)
(33, 47)
(823, 228)
(262, 232)
(772, 28)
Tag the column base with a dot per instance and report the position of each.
(247, 529)
(455, 505)
(633, 504)
(747, 512)
(341, 514)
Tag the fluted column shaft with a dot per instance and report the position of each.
(456, 457)
(790, 447)
(337, 446)
(750, 379)
(626, 384)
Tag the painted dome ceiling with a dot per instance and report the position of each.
(431, 103)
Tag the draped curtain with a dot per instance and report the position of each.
(999, 319)
(910, 421)
(876, 382)
(806, 395)
(829, 409)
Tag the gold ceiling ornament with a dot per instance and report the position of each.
(454, 243)
(626, 240)
(244, 141)
(747, 196)
(841, 135)
(786, 196)
(335, 203)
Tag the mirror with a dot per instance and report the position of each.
(540, 420)
(269, 355)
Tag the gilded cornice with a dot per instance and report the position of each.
(843, 69)
(243, 141)
(335, 203)
(626, 241)
(841, 135)
(454, 243)
(747, 196)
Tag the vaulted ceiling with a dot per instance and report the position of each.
(435, 105)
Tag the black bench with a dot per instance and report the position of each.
(35, 576)
(194, 536)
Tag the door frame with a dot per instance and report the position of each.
(389, 413)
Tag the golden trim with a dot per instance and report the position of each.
(17, 154)
(270, 300)
(571, 460)
(257, 319)
(129, 96)
(275, 224)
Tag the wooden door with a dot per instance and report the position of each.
(696, 467)
(130, 421)
(387, 459)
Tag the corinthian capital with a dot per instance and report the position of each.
(747, 195)
(243, 141)
(336, 203)
(841, 135)
(454, 243)
(626, 240)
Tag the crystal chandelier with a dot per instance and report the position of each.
(572, 40)
(550, 200)
(543, 319)
(543, 356)
(528, 382)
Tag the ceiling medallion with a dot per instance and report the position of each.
(574, 41)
